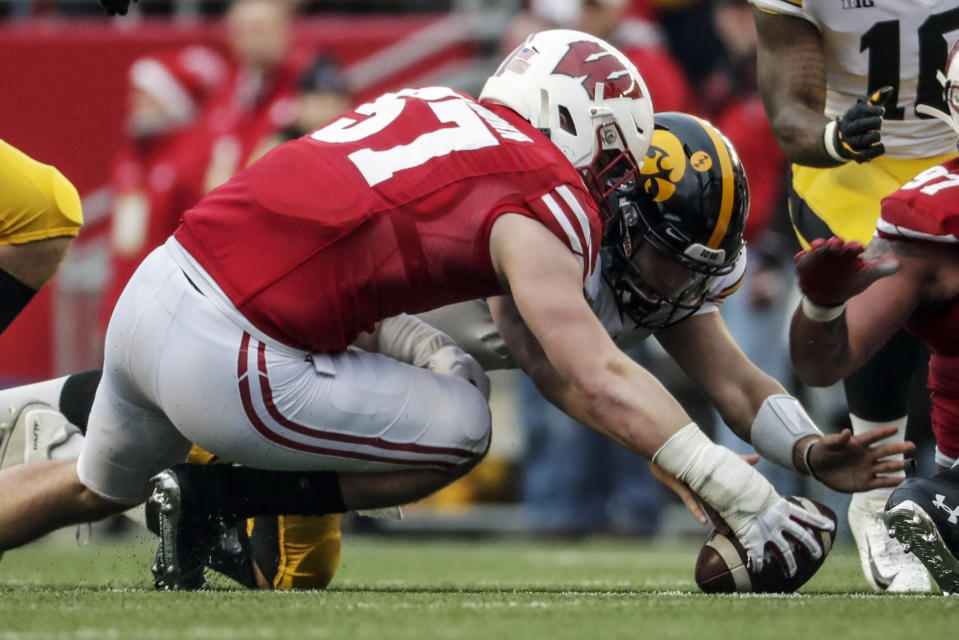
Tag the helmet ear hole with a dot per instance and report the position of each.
(566, 121)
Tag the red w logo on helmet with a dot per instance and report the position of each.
(597, 65)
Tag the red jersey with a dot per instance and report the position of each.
(387, 209)
(927, 209)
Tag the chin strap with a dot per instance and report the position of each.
(936, 113)
(543, 123)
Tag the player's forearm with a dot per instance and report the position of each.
(799, 133)
(613, 396)
(760, 411)
(820, 351)
(624, 402)
(792, 82)
(741, 400)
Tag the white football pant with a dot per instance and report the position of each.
(177, 370)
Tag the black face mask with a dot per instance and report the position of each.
(638, 299)
(636, 295)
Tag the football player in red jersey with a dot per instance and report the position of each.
(856, 298)
(841, 89)
(234, 335)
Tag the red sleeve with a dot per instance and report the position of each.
(570, 213)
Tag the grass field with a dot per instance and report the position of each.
(393, 588)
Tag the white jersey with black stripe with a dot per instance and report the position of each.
(871, 43)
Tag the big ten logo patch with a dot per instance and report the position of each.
(701, 161)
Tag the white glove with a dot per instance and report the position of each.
(771, 528)
(452, 360)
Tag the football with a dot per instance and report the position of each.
(721, 565)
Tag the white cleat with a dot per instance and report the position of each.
(31, 432)
(911, 579)
(886, 564)
(34, 430)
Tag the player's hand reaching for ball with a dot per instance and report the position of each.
(846, 462)
(774, 527)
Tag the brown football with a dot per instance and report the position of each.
(721, 566)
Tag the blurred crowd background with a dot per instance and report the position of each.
(148, 112)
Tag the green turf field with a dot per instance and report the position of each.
(391, 588)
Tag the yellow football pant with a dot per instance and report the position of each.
(847, 198)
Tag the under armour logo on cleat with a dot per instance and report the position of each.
(940, 503)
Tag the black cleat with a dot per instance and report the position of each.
(923, 514)
(232, 556)
(186, 534)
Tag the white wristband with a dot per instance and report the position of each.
(829, 137)
(818, 313)
(779, 424)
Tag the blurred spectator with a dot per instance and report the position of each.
(322, 94)
(189, 8)
(375, 6)
(631, 30)
(629, 25)
(158, 172)
(257, 102)
(730, 99)
(691, 35)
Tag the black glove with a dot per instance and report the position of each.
(856, 135)
(115, 7)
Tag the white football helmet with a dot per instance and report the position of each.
(586, 96)
(950, 93)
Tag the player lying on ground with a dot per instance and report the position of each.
(302, 552)
(854, 299)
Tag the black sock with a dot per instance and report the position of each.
(15, 296)
(76, 397)
(237, 493)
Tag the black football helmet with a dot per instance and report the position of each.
(689, 206)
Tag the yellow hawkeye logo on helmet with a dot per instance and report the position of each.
(663, 166)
